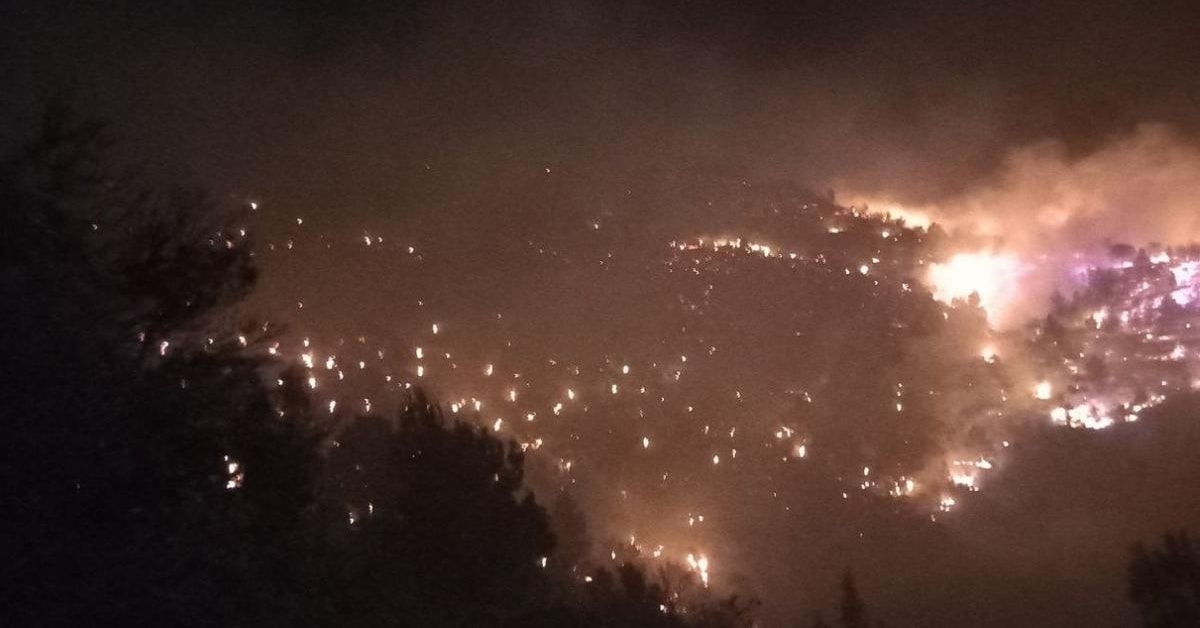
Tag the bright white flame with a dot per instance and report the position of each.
(992, 276)
(961, 478)
(911, 217)
(699, 564)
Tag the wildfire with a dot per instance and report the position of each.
(699, 564)
(992, 277)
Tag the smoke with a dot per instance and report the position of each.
(1141, 188)
(1046, 210)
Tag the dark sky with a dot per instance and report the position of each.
(918, 95)
(540, 157)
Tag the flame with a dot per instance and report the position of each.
(992, 276)
(699, 564)
(891, 210)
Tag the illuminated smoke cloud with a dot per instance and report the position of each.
(1020, 230)
(1141, 187)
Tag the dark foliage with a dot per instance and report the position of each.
(121, 428)
(1164, 583)
(853, 611)
(431, 522)
(159, 471)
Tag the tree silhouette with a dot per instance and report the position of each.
(573, 545)
(436, 525)
(625, 598)
(153, 476)
(1164, 582)
(429, 521)
(853, 612)
(161, 471)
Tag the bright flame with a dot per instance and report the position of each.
(991, 276)
(699, 564)
(911, 217)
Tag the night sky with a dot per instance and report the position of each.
(559, 210)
